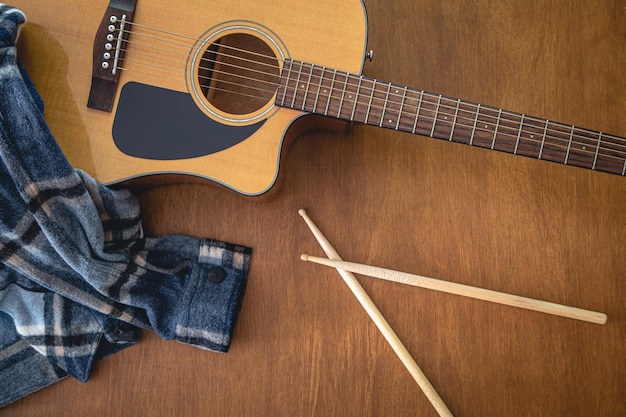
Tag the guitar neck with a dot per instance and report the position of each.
(352, 97)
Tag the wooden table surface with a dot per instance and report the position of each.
(303, 346)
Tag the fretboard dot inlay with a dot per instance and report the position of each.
(366, 100)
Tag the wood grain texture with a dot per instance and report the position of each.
(335, 37)
(303, 345)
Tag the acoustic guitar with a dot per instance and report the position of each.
(214, 89)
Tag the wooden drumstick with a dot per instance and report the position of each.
(464, 290)
(381, 322)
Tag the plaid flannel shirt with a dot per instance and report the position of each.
(77, 277)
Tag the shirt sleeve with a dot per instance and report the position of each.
(77, 275)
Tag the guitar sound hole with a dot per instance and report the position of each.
(239, 74)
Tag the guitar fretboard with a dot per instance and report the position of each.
(357, 98)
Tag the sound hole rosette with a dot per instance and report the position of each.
(233, 70)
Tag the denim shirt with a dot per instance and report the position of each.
(78, 279)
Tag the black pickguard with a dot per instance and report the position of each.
(157, 123)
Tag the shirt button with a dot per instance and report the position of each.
(216, 274)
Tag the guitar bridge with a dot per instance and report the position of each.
(108, 53)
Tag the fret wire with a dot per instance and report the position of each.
(609, 145)
(293, 101)
(369, 104)
(319, 87)
(528, 119)
(519, 134)
(382, 115)
(343, 95)
(401, 107)
(456, 112)
(582, 136)
(556, 133)
(502, 112)
(356, 97)
(308, 84)
(514, 114)
(569, 145)
(287, 82)
(524, 123)
(330, 92)
(495, 131)
(474, 127)
(614, 146)
(615, 141)
(595, 159)
(432, 131)
(543, 141)
(417, 114)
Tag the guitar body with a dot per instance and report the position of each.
(162, 120)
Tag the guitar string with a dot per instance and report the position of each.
(134, 52)
(212, 87)
(450, 105)
(400, 115)
(259, 90)
(212, 61)
(190, 38)
(440, 122)
(273, 58)
(475, 122)
(605, 137)
(373, 88)
(185, 54)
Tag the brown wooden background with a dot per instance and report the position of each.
(303, 345)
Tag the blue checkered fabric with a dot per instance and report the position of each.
(78, 278)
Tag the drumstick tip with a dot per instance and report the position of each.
(302, 212)
(304, 257)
